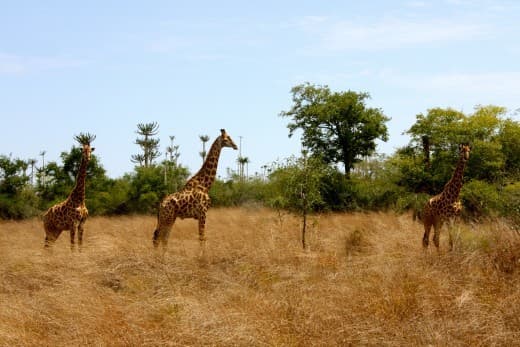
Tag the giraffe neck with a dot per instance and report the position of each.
(206, 175)
(452, 188)
(77, 196)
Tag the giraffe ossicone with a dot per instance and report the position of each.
(446, 206)
(71, 213)
(193, 200)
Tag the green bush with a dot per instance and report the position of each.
(23, 204)
(480, 199)
(236, 193)
(510, 203)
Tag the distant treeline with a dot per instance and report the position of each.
(400, 182)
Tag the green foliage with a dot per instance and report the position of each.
(238, 192)
(17, 199)
(61, 179)
(376, 194)
(337, 192)
(295, 184)
(509, 138)
(337, 126)
(479, 198)
(147, 189)
(510, 203)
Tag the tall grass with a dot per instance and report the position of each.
(365, 281)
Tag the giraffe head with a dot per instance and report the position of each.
(85, 140)
(464, 150)
(226, 140)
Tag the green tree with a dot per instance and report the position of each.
(337, 126)
(445, 129)
(147, 188)
(509, 139)
(148, 144)
(61, 178)
(296, 185)
(17, 197)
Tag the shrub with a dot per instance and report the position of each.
(480, 199)
(510, 203)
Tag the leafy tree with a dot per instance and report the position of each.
(148, 144)
(445, 129)
(337, 126)
(17, 198)
(297, 187)
(509, 139)
(60, 179)
(147, 188)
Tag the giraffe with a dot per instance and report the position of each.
(71, 213)
(445, 206)
(192, 201)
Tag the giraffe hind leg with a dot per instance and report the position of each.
(436, 234)
(426, 236)
(80, 233)
(51, 235)
(162, 233)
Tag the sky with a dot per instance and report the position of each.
(195, 67)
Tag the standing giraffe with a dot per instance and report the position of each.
(71, 213)
(445, 206)
(192, 201)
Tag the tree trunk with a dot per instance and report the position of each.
(304, 227)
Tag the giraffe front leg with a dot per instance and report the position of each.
(202, 236)
(202, 227)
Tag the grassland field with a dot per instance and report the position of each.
(364, 281)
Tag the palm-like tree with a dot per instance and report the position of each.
(85, 138)
(42, 153)
(204, 139)
(243, 162)
(148, 144)
(172, 151)
(31, 163)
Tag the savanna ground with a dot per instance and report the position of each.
(365, 281)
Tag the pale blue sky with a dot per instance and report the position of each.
(198, 66)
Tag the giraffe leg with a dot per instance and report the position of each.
(451, 226)
(73, 236)
(202, 236)
(436, 233)
(426, 236)
(80, 234)
(162, 232)
(51, 235)
(202, 227)
(166, 236)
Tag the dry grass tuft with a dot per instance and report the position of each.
(365, 281)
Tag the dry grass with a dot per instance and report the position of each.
(365, 281)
